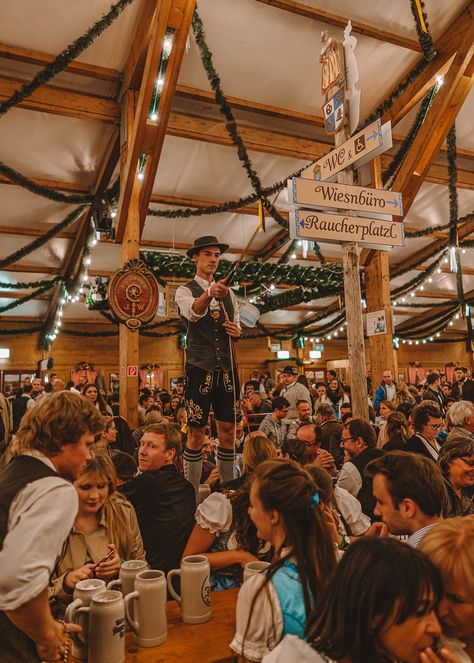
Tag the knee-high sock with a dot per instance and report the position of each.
(193, 466)
(225, 464)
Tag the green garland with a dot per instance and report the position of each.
(66, 56)
(226, 111)
(40, 241)
(26, 298)
(402, 151)
(169, 266)
(424, 38)
(292, 298)
(417, 280)
(21, 331)
(31, 284)
(44, 191)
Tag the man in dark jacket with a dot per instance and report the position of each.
(359, 443)
(164, 501)
(433, 391)
(463, 387)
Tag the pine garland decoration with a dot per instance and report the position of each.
(424, 38)
(40, 241)
(64, 58)
(31, 284)
(26, 298)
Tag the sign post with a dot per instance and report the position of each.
(352, 291)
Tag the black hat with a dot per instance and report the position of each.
(291, 370)
(203, 242)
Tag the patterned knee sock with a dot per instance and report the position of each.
(225, 464)
(193, 466)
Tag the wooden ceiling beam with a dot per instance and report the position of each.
(446, 47)
(322, 16)
(214, 132)
(237, 103)
(464, 230)
(39, 58)
(168, 13)
(62, 101)
(246, 105)
(422, 316)
(9, 294)
(37, 231)
(179, 18)
(60, 185)
(135, 64)
(438, 121)
(76, 246)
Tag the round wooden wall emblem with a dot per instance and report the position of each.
(133, 294)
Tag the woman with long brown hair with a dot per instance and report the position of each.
(105, 523)
(285, 509)
(223, 531)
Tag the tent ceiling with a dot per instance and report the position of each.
(263, 54)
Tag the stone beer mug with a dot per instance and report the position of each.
(149, 608)
(83, 593)
(195, 599)
(106, 627)
(252, 568)
(127, 575)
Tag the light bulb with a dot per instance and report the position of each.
(430, 280)
(438, 335)
(63, 301)
(463, 250)
(438, 271)
(140, 176)
(160, 82)
(272, 287)
(59, 323)
(412, 294)
(94, 242)
(293, 256)
(167, 45)
(85, 278)
(87, 261)
(114, 214)
(440, 80)
(154, 117)
(403, 300)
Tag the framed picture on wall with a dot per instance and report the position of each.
(171, 308)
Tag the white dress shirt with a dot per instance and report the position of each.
(39, 521)
(185, 299)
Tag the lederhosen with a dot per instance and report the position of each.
(15, 646)
(210, 380)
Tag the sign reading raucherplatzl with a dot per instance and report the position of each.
(336, 228)
(309, 193)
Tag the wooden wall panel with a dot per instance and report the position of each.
(252, 354)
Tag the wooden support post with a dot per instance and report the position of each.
(382, 356)
(353, 303)
(130, 250)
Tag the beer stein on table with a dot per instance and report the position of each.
(127, 575)
(106, 627)
(83, 593)
(195, 598)
(149, 608)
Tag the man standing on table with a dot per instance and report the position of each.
(38, 504)
(211, 374)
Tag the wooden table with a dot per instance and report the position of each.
(196, 643)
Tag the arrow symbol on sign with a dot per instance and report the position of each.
(372, 136)
(392, 202)
(302, 223)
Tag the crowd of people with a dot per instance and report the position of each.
(367, 525)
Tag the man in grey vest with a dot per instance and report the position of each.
(38, 504)
(210, 312)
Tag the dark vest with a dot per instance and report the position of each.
(208, 342)
(19, 407)
(364, 495)
(15, 646)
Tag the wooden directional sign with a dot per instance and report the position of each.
(342, 196)
(337, 228)
(360, 145)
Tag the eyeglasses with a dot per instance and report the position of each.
(436, 426)
(346, 439)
